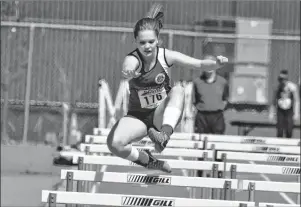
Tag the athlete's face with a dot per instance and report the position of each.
(146, 42)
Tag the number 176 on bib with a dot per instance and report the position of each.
(152, 100)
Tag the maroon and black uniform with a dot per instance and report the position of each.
(149, 89)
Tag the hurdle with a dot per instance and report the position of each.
(205, 154)
(59, 197)
(277, 205)
(175, 135)
(218, 138)
(180, 181)
(207, 145)
(251, 140)
(192, 165)
(211, 154)
(176, 152)
(87, 162)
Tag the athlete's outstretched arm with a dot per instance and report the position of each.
(174, 57)
(129, 67)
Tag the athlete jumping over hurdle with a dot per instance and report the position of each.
(155, 107)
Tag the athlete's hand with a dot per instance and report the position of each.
(130, 73)
(221, 60)
(129, 67)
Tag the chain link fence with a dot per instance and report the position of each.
(75, 43)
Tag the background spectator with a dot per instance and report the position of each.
(210, 94)
(285, 105)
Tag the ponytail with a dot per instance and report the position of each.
(152, 21)
(156, 13)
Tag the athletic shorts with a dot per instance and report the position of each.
(146, 117)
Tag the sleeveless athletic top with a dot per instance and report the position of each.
(151, 87)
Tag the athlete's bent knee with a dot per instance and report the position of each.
(116, 144)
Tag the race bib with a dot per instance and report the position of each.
(151, 98)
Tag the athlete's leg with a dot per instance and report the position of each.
(167, 116)
(127, 130)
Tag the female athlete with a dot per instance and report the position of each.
(155, 107)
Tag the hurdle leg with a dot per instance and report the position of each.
(213, 152)
(88, 152)
(227, 190)
(69, 185)
(214, 191)
(193, 189)
(233, 176)
(88, 167)
(195, 172)
(80, 183)
(211, 174)
(207, 191)
(80, 167)
(204, 174)
(52, 200)
(222, 174)
(251, 190)
(224, 160)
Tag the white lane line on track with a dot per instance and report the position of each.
(283, 195)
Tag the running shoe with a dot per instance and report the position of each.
(159, 138)
(157, 164)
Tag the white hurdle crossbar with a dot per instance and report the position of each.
(221, 138)
(176, 135)
(250, 140)
(180, 181)
(277, 205)
(193, 165)
(207, 145)
(195, 153)
(58, 197)
(176, 152)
